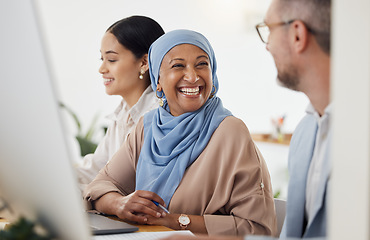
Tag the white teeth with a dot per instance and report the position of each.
(190, 91)
(108, 80)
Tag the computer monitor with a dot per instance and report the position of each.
(37, 180)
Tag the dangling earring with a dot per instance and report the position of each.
(141, 75)
(160, 98)
(213, 92)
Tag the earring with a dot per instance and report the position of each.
(160, 98)
(213, 92)
(141, 75)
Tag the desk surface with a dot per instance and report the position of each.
(145, 228)
(142, 228)
(149, 228)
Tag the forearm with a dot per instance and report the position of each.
(197, 224)
(108, 203)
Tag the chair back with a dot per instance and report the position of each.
(280, 208)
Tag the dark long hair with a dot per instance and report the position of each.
(136, 33)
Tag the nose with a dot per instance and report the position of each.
(191, 75)
(102, 68)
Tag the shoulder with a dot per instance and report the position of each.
(117, 111)
(305, 128)
(134, 141)
(231, 148)
(136, 136)
(231, 135)
(232, 126)
(307, 121)
(146, 103)
(303, 141)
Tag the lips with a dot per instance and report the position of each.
(190, 91)
(108, 80)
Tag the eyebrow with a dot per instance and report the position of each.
(111, 51)
(175, 59)
(205, 56)
(181, 59)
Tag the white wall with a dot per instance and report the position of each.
(73, 30)
(350, 193)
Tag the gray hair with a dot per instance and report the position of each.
(316, 14)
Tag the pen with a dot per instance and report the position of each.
(160, 206)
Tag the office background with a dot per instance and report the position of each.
(246, 71)
(73, 30)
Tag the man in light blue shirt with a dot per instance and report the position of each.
(297, 34)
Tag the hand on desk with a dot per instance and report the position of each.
(136, 207)
(139, 207)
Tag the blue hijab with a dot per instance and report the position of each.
(172, 144)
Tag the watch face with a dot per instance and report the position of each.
(184, 220)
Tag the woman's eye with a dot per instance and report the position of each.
(177, 65)
(203, 64)
(109, 60)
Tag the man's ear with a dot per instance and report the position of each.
(300, 36)
(144, 62)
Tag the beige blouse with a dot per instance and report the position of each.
(123, 121)
(229, 184)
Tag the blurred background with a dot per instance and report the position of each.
(246, 71)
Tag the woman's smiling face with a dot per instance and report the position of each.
(185, 77)
(120, 68)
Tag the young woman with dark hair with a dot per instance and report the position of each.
(124, 68)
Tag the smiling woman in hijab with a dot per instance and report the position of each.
(190, 155)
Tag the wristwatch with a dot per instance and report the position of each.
(184, 221)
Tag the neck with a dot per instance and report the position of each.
(319, 102)
(316, 82)
(133, 96)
